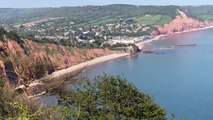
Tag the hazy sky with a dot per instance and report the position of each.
(58, 3)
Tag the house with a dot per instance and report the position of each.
(92, 41)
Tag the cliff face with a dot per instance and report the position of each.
(180, 24)
(58, 56)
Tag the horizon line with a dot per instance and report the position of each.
(101, 6)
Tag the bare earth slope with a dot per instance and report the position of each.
(58, 56)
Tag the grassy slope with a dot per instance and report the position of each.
(153, 20)
(99, 21)
(102, 21)
(145, 20)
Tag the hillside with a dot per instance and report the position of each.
(16, 51)
(90, 13)
(204, 12)
(86, 12)
(105, 14)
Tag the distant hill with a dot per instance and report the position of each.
(204, 12)
(86, 12)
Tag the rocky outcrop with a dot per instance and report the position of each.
(180, 24)
(133, 49)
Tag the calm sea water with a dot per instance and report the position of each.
(180, 80)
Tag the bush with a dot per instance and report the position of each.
(111, 97)
(6, 99)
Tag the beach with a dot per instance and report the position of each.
(83, 65)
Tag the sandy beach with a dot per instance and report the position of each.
(83, 65)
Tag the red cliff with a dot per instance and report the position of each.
(181, 23)
(58, 56)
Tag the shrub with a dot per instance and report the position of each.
(111, 97)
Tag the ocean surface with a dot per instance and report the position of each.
(180, 80)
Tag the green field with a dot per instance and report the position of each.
(145, 20)
(153, 20)
(102, 21)
(99, 21)
(206, 17)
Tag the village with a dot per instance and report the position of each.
(117, 33)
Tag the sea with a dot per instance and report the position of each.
(177, 73)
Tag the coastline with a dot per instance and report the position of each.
(77, 68)
(81, 66)
(74, 70)
(143, 43)
(192, 30)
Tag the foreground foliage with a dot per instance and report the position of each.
(110, 97)
(103, 98)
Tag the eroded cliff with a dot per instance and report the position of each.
(58, 56)
(181, 23)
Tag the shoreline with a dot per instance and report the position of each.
(142, 44)
(81, 66)
(192, 30)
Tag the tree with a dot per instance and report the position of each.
(111, 97)
(2, 33)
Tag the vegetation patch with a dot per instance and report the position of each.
(153, 19)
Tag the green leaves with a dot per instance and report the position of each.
(24, 112)
(111, 97)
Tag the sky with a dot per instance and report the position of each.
(59, 3)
